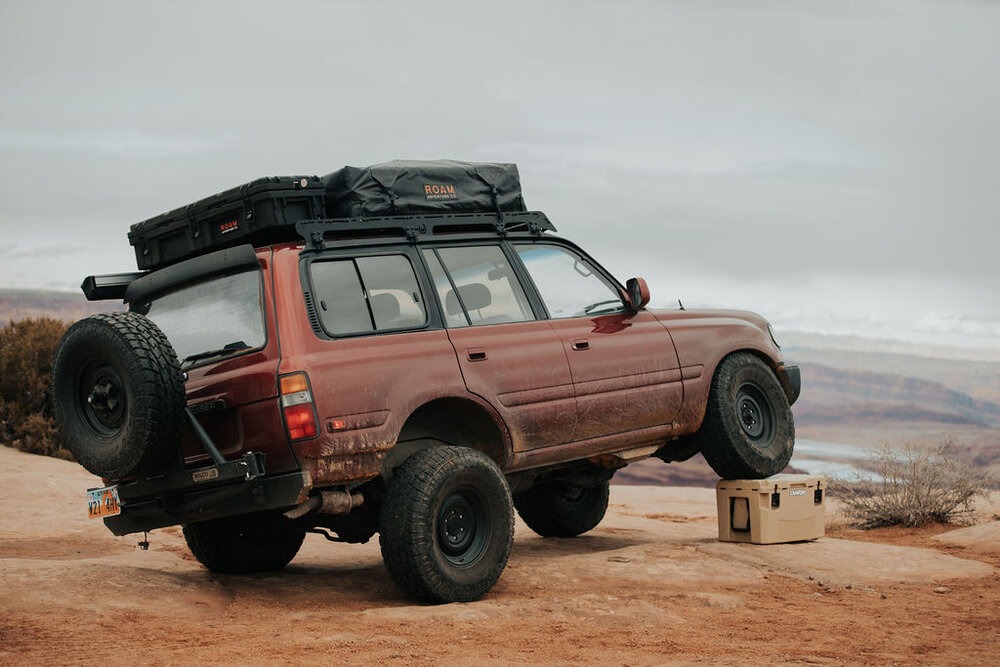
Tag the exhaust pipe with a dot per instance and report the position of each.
(327, 502)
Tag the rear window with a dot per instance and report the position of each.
(211, 319)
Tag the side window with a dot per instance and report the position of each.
(476, 286)
(568, 284)
(367, 294)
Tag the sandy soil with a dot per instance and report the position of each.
(651, 585)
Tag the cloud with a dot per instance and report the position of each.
(745, 151)
(122, 143)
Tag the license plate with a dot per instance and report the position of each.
(103, 502)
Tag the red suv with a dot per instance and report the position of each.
(419, 374)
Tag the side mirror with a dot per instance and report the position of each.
(638, 293)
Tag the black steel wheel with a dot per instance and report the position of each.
(463, 532)
(104, 395)
(118, 395)
(756, 415)
(556, 508)
(446, 525)
(748, 432)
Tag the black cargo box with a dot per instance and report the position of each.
(261, 211)
(413, 187)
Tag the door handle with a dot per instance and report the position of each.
(581, 344)
(476, 354)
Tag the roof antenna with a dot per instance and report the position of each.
(680, 304)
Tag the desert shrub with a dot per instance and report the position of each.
(26, 351)
(916, 486)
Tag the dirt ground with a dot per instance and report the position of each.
(651, 585)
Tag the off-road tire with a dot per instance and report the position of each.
(118, 395)
(554, 508)
(260, 542)
(446, 525)
(748, 432)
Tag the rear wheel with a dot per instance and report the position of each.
(259, 542)
(556, 508)
(748, 432)
(447, 525)
(118, 395)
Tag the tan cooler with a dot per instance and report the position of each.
(783, 508)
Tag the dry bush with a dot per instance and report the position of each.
(26, 351)
(917, 486)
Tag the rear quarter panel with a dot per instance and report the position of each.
(235, 400)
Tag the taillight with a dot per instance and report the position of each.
(297, 406)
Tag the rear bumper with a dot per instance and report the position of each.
(791, 382)
(213, 492)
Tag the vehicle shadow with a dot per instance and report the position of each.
(539, 548)
(365, 583)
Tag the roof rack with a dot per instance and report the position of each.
(416, 228)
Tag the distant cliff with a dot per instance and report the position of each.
(835, 394)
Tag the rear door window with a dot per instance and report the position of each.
(476, 286)
(367, 294)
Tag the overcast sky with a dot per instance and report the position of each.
(834, 165)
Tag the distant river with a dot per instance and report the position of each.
(830, 459)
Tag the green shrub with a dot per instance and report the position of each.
(917, 486)
(26, 351)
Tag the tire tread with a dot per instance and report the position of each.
(406, 523)
(222, 545)
(723, 443)
(156, 401)
(545, 512)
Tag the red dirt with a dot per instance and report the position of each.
(651, 585)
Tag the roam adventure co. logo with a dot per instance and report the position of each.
(229, 226)
(440, 191)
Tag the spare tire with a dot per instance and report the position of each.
(118, 395)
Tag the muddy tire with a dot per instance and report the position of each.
(559, 509)
(118, 395)
(261, 542)
(447, 525)
(748, 432)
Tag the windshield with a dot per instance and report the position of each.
(568, 284)
(210, 319)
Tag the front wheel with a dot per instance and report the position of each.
(556, 508)
(748, 432)
(447, 525)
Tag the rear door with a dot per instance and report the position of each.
(507, 356)
(625, 372)
(228, 350)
